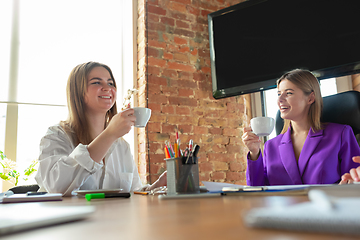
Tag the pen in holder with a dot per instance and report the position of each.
(182, 175)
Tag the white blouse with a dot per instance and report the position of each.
(64, 168)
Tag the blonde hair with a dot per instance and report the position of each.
(77, 124)
(308, 83)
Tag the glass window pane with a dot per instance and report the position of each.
(2, 125)
(54, 41)
(5, 30)
(33, 122)
(328, 87)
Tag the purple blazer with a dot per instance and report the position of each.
(325, 157)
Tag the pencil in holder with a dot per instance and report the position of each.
(182, 175)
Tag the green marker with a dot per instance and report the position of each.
(106, 195)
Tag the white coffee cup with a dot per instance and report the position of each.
(262, 126)
(142, 116)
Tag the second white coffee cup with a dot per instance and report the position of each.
(262, 126)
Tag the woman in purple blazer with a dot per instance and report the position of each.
(307, 151)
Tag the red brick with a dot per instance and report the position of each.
(157, 26)
(157, 148)
(231, 132)
(218, 148)
(153, 17)
(215, 131)
(183, 128)
(167, 21)
(157, 44)
(184, 49)
(182, 24)
(154, 88)
(204, 13)
(206, 167)
(233, 148)
(181, 57)
(158, 137)
(183, 1)
(185, 92)
(153, 52)
(168, 109)
(153, 70)
(233, 176)
(237, 167)
(157, 80)
(156, 117)
(204, 176)
(168, 56)
(169, 129)
(179, 66)
(177, 7)
(181, 119)
(156, 168)
(156, 10)
(156, 62)
(153, 127)
(186, 33)
(217, 176)
(182, 110)
(204, 53)
(193, 10)
(212, 122)
(206, 69)
(194, 52)
(179, 40)
(220, 157)
(220, 166)
(169, 91)
(183, 101)
(201, 130)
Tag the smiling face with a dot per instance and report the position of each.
(292, 102)
(101, 91)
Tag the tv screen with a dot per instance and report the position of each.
(253, 43)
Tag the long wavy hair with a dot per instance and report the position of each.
(77, 124)
(308, 83)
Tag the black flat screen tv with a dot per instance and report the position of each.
(254, 42)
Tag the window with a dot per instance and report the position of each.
(41, 42)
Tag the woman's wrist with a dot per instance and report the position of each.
(254, 156)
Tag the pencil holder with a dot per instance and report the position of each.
(182, 175)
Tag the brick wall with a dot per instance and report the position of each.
(174, 80)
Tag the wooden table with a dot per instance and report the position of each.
(147, 217)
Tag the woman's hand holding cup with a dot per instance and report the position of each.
(252, 142)
(122, 122)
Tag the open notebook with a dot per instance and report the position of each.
(24, 216)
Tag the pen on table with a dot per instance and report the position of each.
(142, 193)
(90, 196)
(35, 193)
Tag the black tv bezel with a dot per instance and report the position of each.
(338, 71)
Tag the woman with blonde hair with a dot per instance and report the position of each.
(87, 150)
(307, 151)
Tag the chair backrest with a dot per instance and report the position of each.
(343, 108)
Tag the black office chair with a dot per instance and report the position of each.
(343, 108)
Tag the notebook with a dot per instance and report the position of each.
(25, 216)
(323, 214)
